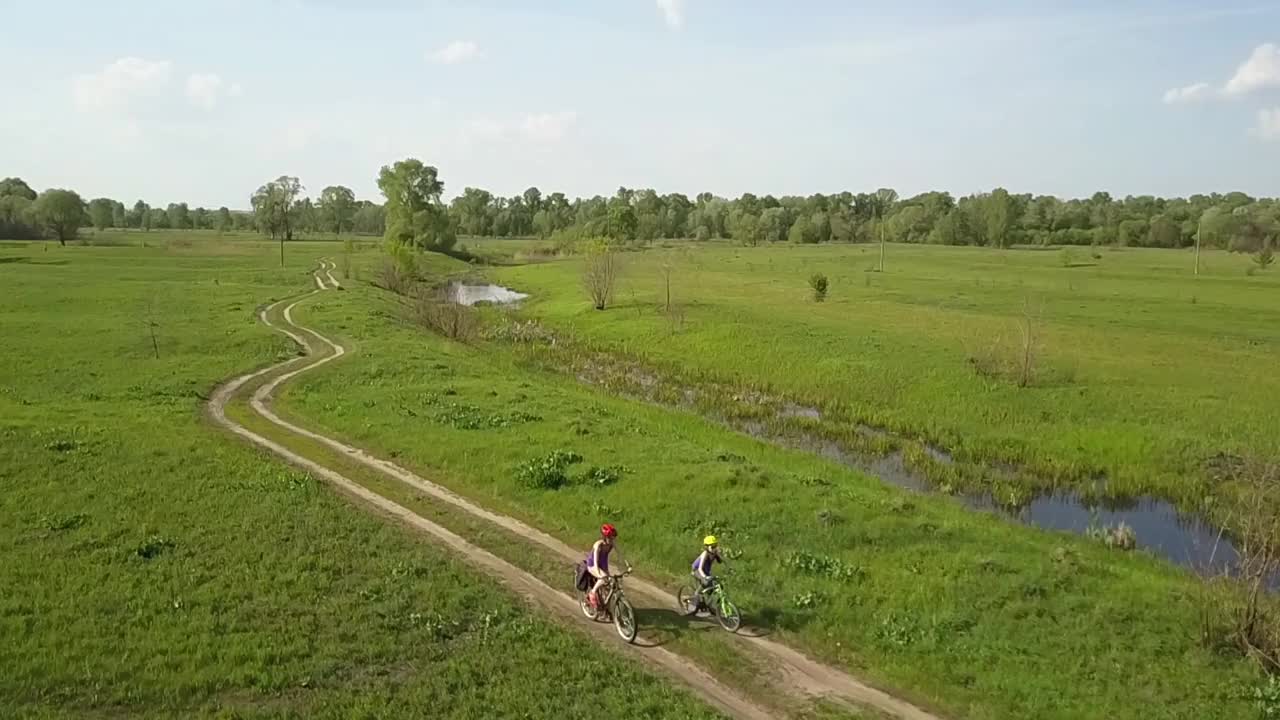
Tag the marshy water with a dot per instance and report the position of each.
(1160, 528)
(472, 294)
(1186, 540)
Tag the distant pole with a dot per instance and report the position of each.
(881, 223)
(1199, 232)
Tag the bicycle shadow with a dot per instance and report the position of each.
(662, 625)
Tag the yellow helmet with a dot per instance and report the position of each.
(709, 540)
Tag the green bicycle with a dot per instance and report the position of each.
(714, 600)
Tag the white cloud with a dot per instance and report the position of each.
(458, 51)
(672, 12)
(535, 128)
(1190, 93)
(120, 81)
(547, 127)
(204, 90)
(1268, 127)
(1260, 71)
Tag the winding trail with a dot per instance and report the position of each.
(799, 675)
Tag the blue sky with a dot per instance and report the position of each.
(204, 100)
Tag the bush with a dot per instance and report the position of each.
(1266, 697)
(818, 283)
(434, 310)
(549, 472)
(811, 564)
(604, 475)
(1264, 257)
(1067, 256)
(399, 268)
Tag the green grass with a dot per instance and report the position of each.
(154, 566)
(1144, 370)
(979, 616)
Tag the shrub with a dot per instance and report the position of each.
(435, 311)
(811, 564)
(600, 272)
(1266, 697)
(548, 472)
(604, 475)
(818, 283)
(1067, 256)
(807, 600)
(1264, 257)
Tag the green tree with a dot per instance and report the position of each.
(140, 217)
(179, 216)
(337, 208)
(60, 212)
(17, 221)
(200, 219)
(532, 199)
(275, 209)
(414, 214)
(16, 187)
(622, 223)
(999, 215)
(158, 219)
(100, 210)
(119, 216)
(222, 221)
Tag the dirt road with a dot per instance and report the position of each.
(797, 674)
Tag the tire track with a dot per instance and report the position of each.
(523, 583)
(801, 674)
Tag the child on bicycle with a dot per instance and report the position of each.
(598, 561)
(703, 571)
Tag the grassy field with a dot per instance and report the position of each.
(1142, 370)
(155, 567)
(979, 617)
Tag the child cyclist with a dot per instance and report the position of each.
(598, 561)
(704, 571)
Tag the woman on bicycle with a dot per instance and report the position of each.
(704, 570)
(598, 561)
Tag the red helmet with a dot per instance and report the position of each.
(608, 530)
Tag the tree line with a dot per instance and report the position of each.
(414, 213)
(60, 214)
(999, 218)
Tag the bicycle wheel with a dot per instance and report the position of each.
(584, 603)
(684, 596)
(624, 619)
(728, 616)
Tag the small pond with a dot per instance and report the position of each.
(473, 294)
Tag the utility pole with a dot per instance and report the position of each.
(1199, 232)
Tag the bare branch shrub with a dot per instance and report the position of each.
(436, 310)
(600, 272)
(1237, 609)
(1015, 359)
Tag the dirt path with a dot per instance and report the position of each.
(800, 674)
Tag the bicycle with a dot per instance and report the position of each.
(714, 600)
(614, 604)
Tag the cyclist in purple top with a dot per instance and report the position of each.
(703, 571)
(598, 561)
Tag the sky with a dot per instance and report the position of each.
(202, 101)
